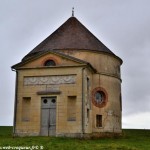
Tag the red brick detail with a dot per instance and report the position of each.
(105, 100)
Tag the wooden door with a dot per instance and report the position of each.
(48, 116)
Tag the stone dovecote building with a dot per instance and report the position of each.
(68, 85)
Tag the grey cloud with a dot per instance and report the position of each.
(123, 26)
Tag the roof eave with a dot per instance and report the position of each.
(44, 53)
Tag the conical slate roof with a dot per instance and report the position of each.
(71, 35)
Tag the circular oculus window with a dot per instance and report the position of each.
(99, 97)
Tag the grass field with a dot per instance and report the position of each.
(131, 140)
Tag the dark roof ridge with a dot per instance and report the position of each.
(70, 35)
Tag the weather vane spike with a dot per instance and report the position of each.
(72, 11)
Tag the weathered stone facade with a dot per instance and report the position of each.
(68, 91)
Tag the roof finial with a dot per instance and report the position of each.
(72, 11)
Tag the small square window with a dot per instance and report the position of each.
(98, 120)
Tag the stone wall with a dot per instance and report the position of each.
(69, 83)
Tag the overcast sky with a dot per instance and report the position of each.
(122, 25)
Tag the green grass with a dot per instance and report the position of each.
(131, 140)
